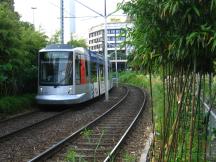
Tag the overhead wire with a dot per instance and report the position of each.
(88, 17)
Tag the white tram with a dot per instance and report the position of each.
(70, 75)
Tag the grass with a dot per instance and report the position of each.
(127, 157)
(72, 155)
(15, 104)
(142, 81)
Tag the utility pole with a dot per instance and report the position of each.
(72, 21)
(33, 18)
(105, 53)
(62, 21)
(116, 63)
(105, 44)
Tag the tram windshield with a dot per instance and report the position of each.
(56, 68)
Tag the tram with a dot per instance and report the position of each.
(69, 75)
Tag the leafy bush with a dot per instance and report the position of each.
(133, 78)
(14, 104)
(19, 45)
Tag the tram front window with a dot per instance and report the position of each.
(56, 68)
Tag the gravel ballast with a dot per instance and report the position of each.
(29, 143)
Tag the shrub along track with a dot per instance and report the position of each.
(30, 142)
(101, 139)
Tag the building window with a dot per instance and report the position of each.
(111, 45)
(118, 31)
(111, 31)
(111, 38)
(121, 38)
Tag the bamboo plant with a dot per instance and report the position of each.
(176, 40)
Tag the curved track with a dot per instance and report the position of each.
(100, 139)
(28, 143)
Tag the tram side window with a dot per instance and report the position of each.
(93, 72)
(77, 68)
(110, 73)
(101, 72)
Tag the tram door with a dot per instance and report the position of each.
(80, 73)
(94, 79)
(101, 79)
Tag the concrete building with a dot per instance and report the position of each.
(116, 35)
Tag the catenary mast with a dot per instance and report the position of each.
(62, 21)
(72, 20)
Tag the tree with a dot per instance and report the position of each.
(10, 3)
(19, 45)
(78, 43)
(55, 38)
(32, 42)
(10, 35)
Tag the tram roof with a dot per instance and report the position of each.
(57, 47)
(65, 47)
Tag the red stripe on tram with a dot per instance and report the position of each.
(82, 72)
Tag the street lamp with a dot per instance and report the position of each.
(33, 19)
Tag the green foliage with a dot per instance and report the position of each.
(128, 157)
(78, 43)
(71, 156)
(55, 39)
(133, 78)
(19, 45)
(10, 3)
(173, 31)
(15, 104)
(140, 80)
(87, 133)
(176, 39)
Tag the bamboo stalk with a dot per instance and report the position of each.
(192, 122)
(175, 126)
(152, 111)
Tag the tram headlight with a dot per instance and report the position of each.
(70, 90)
(41, 89)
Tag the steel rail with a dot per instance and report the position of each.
(18, 116)
(117, 146)
(56, 147)
(6, 136)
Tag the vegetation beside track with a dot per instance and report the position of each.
(15, 104)
(140, 80)
(176, 40)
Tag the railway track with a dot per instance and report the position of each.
(28, 143)
(12, 126)
(15, 125)
(100, 139)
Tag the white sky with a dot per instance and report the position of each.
(47, 14)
